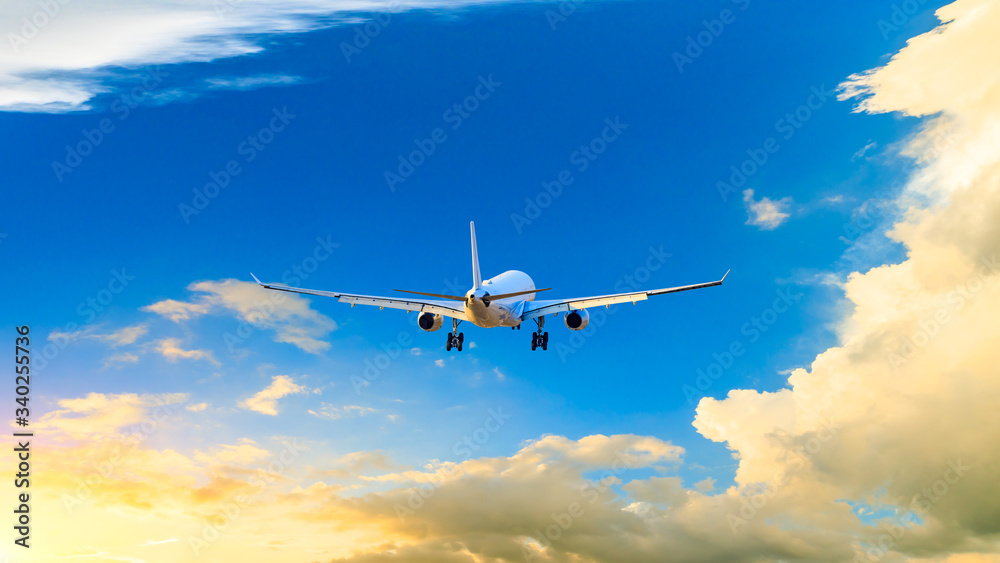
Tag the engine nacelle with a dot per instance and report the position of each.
(430, 322)
(577, 320)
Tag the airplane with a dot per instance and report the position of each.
(506, 300)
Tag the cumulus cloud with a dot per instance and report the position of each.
(59, 61)
(766, 214)
(290, 317)
(266, 400)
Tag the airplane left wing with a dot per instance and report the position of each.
(535, 309)
(452, 309)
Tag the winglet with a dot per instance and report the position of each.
(724, 277)
(477, 279)
(255, 279)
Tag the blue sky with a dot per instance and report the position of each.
(323, 176)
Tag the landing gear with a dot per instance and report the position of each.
(540, 338)
(453, 340)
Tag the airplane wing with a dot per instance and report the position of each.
(535, 309)
(453, 309)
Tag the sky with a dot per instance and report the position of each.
(834, 400)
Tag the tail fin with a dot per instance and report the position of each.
(477, 279)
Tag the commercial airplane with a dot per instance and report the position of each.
(506, 300)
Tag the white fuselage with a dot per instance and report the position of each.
(503, 312)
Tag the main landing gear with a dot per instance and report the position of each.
(540, 338)
(455, 338)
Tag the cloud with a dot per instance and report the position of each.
(290, 317)
(120, 337)
(99, 415)
(244, 453)
(766, 214)
(178, 310)
(252, 82)
(439, 363)
(82, 50)
(198, 407)
(705, 485)
(331, 412)
(170, 349)
(500, 376)
(354, 464)
(864, 150)
(121, 359)
(266, 401)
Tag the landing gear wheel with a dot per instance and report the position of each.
(545, 341)
(461, 337)
(534, 341)
(448, 345)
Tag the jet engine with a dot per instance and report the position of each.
(430, 322)
(577, 320)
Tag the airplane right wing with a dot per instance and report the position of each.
(535, 309)
(454, 309)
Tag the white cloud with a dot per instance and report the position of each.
(178, 311)
(86, 48)
(266, 401)
(170, 348)
(198, 407)
(766, 214)
(331, 412)
(864, 150)
(290, 317)
(500, 376)
(120, 337)
(121, 359)
(439, 363)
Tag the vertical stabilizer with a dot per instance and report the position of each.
(477, 279)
